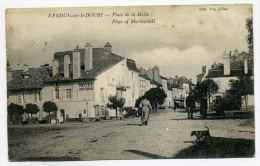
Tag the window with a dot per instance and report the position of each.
(35, 97)
(86, 85)
(68, 94)
(20, 99)
(57, 93)
(40, 97)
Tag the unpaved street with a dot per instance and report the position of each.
(166, 136)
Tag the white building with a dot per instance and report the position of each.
(82, 81)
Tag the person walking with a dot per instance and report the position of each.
(146, 107)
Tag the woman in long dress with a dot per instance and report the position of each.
(146, 108)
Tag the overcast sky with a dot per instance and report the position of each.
(181, 40)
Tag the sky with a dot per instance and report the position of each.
(179, 39)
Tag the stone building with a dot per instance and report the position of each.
(235, 64)
(80, 82)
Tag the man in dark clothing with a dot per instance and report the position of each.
(190, 105)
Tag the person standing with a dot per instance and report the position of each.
(146, 107)
(190, 106)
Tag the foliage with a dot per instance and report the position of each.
(31, 108)
(138, 101)
(178, 81)
(249, 26)
(206, 88)
(242, 87)
(116, 102)
(231, 101)
(49, 107)
(15, 108)
(155, 96)
(15, 112)
(203, 92)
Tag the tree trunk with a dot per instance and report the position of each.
(116, 113)
(155, 107)
(50, 117)
(208, 103)
(246, 102)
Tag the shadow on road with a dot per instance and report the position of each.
(133, 124)
(220, 148)
(214, 116)
(146, 154)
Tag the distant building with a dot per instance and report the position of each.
(145, 84)
(180, 87)
(154, 75)
(235, 65)
(168, 102)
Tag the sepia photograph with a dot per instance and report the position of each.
(130, 82)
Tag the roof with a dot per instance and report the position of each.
(155, 83)
(144, 76)
(101, 63)
(33, 78)
(108, 45)
(36, 77)
(131, 65)
(162, 77)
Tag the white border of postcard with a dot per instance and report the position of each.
(62, 3)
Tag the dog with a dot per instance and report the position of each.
(202, 136)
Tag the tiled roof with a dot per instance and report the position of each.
(33, 78)
(36, 77)
(101, 62)
(144, 76)
(156, 83)
(162, 77)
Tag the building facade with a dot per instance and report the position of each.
(80, 82)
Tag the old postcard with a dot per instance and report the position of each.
(130, 82)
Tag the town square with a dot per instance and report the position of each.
(87, 88)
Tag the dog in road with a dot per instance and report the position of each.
(202, 136)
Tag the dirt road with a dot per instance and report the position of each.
(166, 136)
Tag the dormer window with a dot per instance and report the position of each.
(26, 76)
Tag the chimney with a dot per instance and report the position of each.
(66, 66)
(107, 48)
(227, 57)
(88, 61)
(204, 69)
(55, 67)
(76, 63)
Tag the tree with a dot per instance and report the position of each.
(49, 107)
(116, 102)
(203, 92)
(15, 108)
(250, 37)
(14, 112)
(31, 109)
(243, 87)
(138, 101)
(155, 96)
